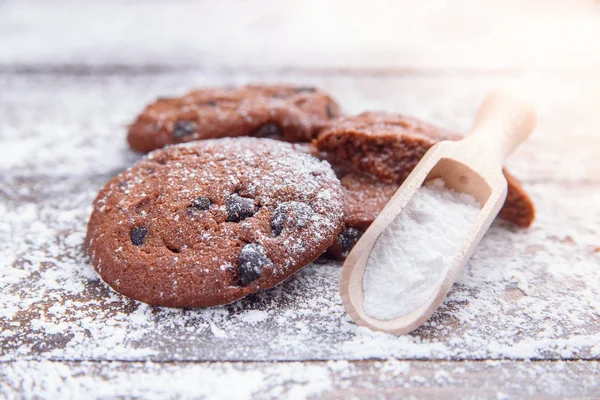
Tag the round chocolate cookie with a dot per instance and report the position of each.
(373, 153)
(206, 223)
(286, 112)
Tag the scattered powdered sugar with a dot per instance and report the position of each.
(165, 381)
(296, 380)
(254, 316)
(411, 257)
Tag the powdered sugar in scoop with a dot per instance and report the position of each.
(411, 257)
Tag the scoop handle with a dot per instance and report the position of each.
(503, 122)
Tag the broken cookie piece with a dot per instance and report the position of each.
(374, 152)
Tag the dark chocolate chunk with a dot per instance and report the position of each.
(281, 95)
(329, 110)
(183, 129)
(305, 89)
(348, 239)
(269, 130)
(251, 261)
(277, 220)
(239, 208)
(291, 214)
(138, 234)
(200, 204)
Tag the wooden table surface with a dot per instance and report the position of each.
(523, 320)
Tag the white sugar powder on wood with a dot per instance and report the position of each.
(411, 257)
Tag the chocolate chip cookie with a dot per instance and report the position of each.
(291, 113)
(373, 153)
(206, 223)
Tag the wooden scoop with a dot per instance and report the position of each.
(472, 165)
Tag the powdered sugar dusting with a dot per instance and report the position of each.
(412, 256)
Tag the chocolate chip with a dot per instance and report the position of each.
(277, 221)
(251, 261)
(138, 234)
(239, 208)
(329, 110)
(348, 238)
(280, 95)
(183, 129)
(307, 89)
(290, 214)
(339, 172)
(212, 103)
(200, 204)
(269, 130)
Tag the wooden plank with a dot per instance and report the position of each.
(75, 125)
(328, 380)
(427, 35)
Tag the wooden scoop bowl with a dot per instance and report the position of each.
(472, 165)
